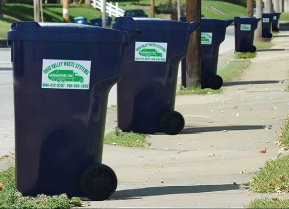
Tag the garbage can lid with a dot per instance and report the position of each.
(144, 23)
(65, 32)
(76, 18)
(210, 21)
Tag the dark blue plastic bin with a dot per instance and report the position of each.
(96, 22)
(146, 91)
(244, 33)
(61, 87)
(213, 34)
(267, 19)
(80, 20)
(275, 21)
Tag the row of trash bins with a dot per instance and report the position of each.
(63, 74)
(95, 22)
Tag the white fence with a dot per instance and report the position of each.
(111, 10)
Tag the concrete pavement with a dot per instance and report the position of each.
(207, 163)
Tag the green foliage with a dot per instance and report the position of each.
(11, 198)
(273, 177)
(246, 55)
(128, 139)
(196, 90)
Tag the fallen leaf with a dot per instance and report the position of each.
(263, 151)
(211, 154)
(1, 186)
(238, 114)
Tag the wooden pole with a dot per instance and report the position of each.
(250, 8)
(36, 10)
(152, 8)
(194, 49)
(65, 11)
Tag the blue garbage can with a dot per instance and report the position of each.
(213, 34)
(267, 25)
(61, 87)
(275, 21)
(146, 91)
(108, 21)
(244, 33)
(96, 22)
(80, 20)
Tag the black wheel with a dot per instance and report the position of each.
(215, 82)
(98, 182)
(172, 123)
(270, 35)
(253, 49)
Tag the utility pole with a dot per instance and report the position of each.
(36, 10)
(103, 13)
(179, 9)
(65, 11)
(193, 73)
(1, 9)
(258, 31)
(250, 6)
(152, 8)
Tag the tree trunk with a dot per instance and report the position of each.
(88, 2)
(250, 6)
(1, 9)
(258, 31)
(268, 6)
(152, 8)
(277, 6)
(193, 71)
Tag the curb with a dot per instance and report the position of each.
(3, 43)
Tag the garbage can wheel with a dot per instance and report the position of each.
(172, 123)
(253, 49)
(98, 182)
(271, 35)
(215, 82)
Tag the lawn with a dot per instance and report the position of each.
(284, 16)
(53, 12)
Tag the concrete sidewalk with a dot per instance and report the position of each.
(207, 163)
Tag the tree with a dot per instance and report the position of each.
(258, 31)
(250, 6)
(193, 64)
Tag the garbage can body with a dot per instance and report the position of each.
(244, 33)
(150, 70)
(213, 33)
(267, 25)
(108, 21)
(61, 86)
(96, 22)
(80, 20)
(275, 21)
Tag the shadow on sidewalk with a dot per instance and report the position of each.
(192, 130)
(270, 50)
(276, 36)
(167, 190)
(236, 83)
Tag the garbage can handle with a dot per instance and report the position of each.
(134, 34)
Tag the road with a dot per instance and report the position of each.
(6, 93)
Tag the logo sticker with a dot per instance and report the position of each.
(274, 17)
(206, 38)
(245, 27)
(65, 74)
(266, 20)
(150, 52)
